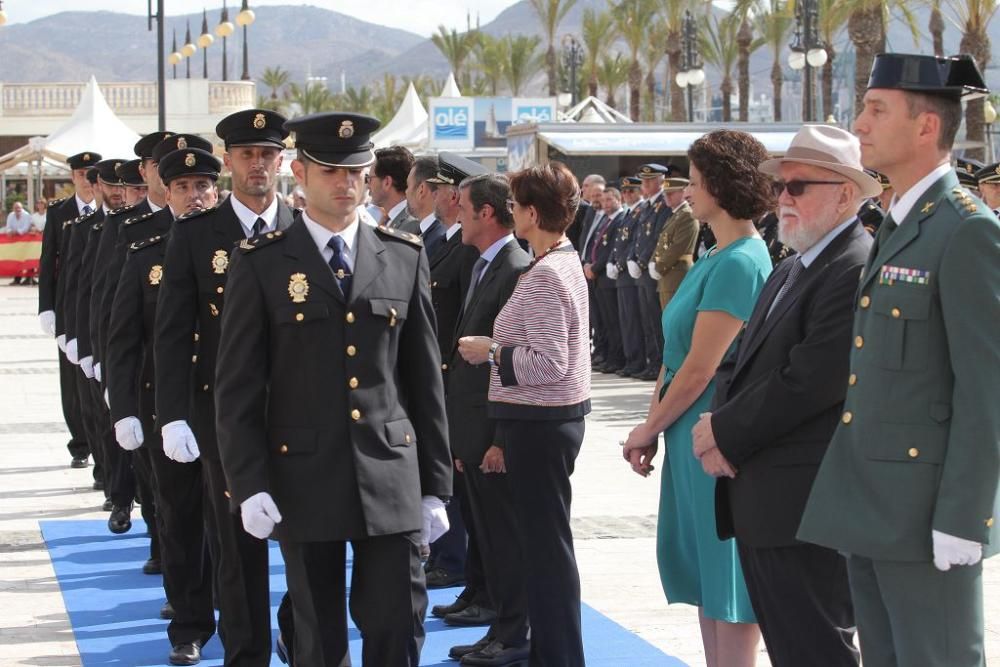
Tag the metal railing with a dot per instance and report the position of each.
(131, 98)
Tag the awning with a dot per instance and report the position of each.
(646, 143)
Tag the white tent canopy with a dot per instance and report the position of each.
(592, 110)
(408, 127)
(450, 87)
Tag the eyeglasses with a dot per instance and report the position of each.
(796, 188)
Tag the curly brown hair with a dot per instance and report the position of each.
(728, 160)
(554, 192)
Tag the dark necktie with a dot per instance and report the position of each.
(793, 275)
(340, 265)
(259, 227)
(597, 237)
(477, 273)
(87, 210)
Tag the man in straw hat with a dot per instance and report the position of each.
(780, 396)
(908, 486)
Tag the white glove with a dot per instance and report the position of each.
(435, 519)
(653, 273)
(107, 399)
(611, 270)
(128, 433)
(260, 514)
(950, 550)
(633, 268)
(71, 352)
(47, 320)
(179, 443)
(61, 342)
(97, 371)
(87, 366)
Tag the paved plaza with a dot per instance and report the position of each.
(614, 510)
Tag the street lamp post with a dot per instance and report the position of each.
(161, 86)
(691, 73)
(990, 116)
(189, 49)
(205, 40)
(573, 57)
(224, 30)
(175, 55)
(807, 51)
(245, 18)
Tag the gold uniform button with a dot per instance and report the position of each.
(444, 367)
(913, 452)
(299, 317)
(866, 301)
(196, 338)
(220, 289)
(406, 438)
(205, 388)
(353, 383)
(351, 350)
(283, 449)
(355, 414)
(350, 318)
(989, 522)
(853, 380)
(859, 342)
(194, 358)
(227, 494)
(149, 385)
(847, 417)
(895, 313)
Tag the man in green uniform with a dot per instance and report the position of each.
(908, 487)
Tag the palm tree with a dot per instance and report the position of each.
(359, 100)
(654, 53)
(745, 45)
(974, 17)
(612, 73)
(774, 20)
(631, 18)
(456, 47)
(521, 60)
(866, 28)
(490, 58)
(275, 78)
(598, 34)
(935, 24)
(551, 13)
(673, 13)
(311, 97)
(832, 17)
(717, 43)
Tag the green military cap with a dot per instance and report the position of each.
(188, 162)
(967, 168)
(83, 160)
(674, 183)
(453, 168)
(335, 139)
(955, 77)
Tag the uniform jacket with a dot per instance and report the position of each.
(470, 429)
(310, 387)
(624, 244)
(653, 215)
(79, 229)
(50, 262)
(603, 245)
(192, 297)
(85, 323)
(403, 218)
(451, 269)
(675, 248)
(918, 444)
(779, 395)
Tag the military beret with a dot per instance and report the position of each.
(189, 162)
(652, 170)
(335, 139)
(144, 147)
(453, 168)
(956, 77)
(106, 171)
(128, 172)
(83, 160)
(92, 174)
(630, 182)
(674, 183)
(253, 127)
(989, 174)
(177, 142)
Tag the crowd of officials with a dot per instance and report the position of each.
(404, 365)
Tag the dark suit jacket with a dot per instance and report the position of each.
(584, 218)
(451, 268)
(50, 262)
(778, 397)
(76, 268)
(192, 296)
(309, 393)
(470, 429)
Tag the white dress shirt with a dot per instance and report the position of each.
(248, 218)
(900, 207)
(321, 237)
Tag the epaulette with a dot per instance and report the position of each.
(84, 218)
(194, 214)
(122, 209)
(98, 226)
(401, 235)
(139, 245)
(138, 218)
(246, 245)
(56, 202)
(963, 201)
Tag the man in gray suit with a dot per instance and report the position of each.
(387, 184)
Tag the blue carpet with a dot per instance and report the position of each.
(114, 608)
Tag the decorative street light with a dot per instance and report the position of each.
(175, 55)
(990, 116)
(3, 14)
(573, 59)
(807, 51)
(205, 40)
(223, 30)
(691, 73)
(245, 18)
(188, 49)
(161, 86)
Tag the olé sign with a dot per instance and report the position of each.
(451, 122)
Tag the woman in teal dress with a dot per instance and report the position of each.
(700, 325)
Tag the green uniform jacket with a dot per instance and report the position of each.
(675, 250)
(918, 446)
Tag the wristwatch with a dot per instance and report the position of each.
(494, 360)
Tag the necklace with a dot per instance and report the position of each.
(552, 247)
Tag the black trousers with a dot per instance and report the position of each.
(144, 483)
(598, 327)
(120, 478)
(450, 550)
(77, 445)
(92, 427)
(630, 325)
(493, 514)
(242, 583)
(388, 600)
(802, 600)
(187, 570)
(650, 320)
(540, 457)
(607, 303)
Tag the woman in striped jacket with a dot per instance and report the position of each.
(539, 395)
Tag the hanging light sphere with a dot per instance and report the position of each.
(224, 29)
(188, 50)
(245, 17)
(796, 60)
(206, 40)
(816, 57)
(696, 77)
(3, 17)
(989, 112)
(682, 79)
(174, 58)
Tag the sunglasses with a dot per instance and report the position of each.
(796, 188)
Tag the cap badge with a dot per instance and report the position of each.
(117, 165)
(346, 130)
(189, 160)
(969, 168)
(220, 262)
(259, 122)
(298, 287)
(155, 274)
(181, 143)
(86, 157)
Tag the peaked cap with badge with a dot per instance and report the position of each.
(83, 160)
(92, 175)
(653, 170)
(335, 139)
(107, 171)
(179, 142)
(453, 168)
(989, 174)
(967, 170)
(128, 173)
(955, 77)
(630, 182)
(190, 162)
(144, 147)
(675, 183)
(253, 127)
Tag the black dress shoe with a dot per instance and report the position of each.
(441, 578)
(474, 614)
(108, 505)
(167, 611)
(284, 655)
(186, 654)
(152, 566)
(79, 462)
(98, 485)
(498, 655)
(120, 520)
(647, 375)
(442, 610)
(456, 652)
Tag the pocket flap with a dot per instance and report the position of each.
(389, 308)
(300, 313)
(399, 433)
(904, 303)
(290, 441)
(909, 442)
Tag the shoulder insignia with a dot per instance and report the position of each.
(139, 245)
(122, 209)
(67, 223)
(963, 202)
(194, 214)
(56, 202)
(97, 227)
(84, 218)
(247, 245)
(401, 235)
(138, 218)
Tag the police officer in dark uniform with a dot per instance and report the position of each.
(989, 185)
(966, 169)
(604, 289)
(628, 294)
(330, 404)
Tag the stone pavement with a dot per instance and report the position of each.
(614, 510)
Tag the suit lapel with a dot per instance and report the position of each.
(227, 225)
(487, 278)
(284, 218)
(369, 261)
(299, 245)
